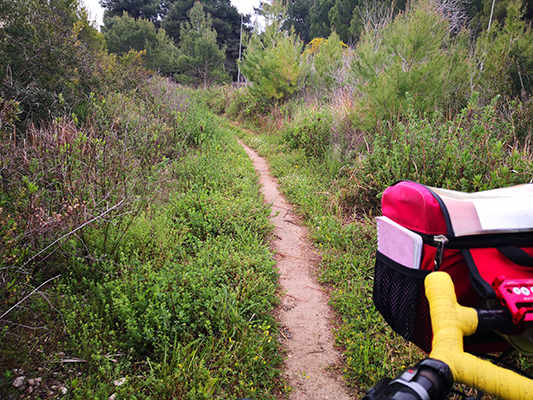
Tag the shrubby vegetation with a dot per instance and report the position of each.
(415, 98)
(125, 33)
(132, 237)
(135, 244)
(133, 241)
(50, 58)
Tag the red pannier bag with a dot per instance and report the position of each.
(474, 237)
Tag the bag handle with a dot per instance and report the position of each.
(517, 255)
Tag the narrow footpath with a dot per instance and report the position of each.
(312, 362)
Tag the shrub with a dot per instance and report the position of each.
(311, 131)
(326, 59)
(272, 60)
(409, 56)
(243, 104)
(505, 57)
(476, 151)
(48, 57)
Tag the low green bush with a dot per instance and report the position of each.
(476, 151)
(311, 132)
(190, 289)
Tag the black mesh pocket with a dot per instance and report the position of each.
(400, 297)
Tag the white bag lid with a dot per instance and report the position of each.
(491, 211)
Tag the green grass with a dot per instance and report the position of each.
(170, 299)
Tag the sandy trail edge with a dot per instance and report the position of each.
(310, 365)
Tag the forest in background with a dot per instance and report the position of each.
(133, 241)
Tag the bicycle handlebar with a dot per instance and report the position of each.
(428, 380)
(451, 322)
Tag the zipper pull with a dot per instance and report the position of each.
(440, 241)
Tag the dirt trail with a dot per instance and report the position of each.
(311, 363)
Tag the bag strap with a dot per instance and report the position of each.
(517, 255)
(483, 288)
(513, 253)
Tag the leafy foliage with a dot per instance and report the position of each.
(320, 25)
(124, 33)
(150, 10)
(341, 16)
(505, 55)
(406, 59)
(299, 19)
(150, 215)
(226, 21)
(474, 152)
(310, 132)
(325, 59)
(48, 56)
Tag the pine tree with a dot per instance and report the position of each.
(201, 60)
(272, 60)
(319, 19)
(226, 21)
(298, 18)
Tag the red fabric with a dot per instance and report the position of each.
(491, 263)
(454, 264)
(414, 207)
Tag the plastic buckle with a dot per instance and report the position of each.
(517, 296)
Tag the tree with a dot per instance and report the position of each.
(408, 64)
(372, 14)
(48, 56)
(225, 19)
(299, 19)
(319, 18)
(147, 9)
(125, 33)
(505, 57)
(176, 16)
(201, 60)
(272, 61)
(340, 17)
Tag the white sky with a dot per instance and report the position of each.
(96, 12)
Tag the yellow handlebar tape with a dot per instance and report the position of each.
(451, 322)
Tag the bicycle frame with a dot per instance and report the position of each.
(451, 322)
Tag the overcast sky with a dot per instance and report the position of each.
(244, 7)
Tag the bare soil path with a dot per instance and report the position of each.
(311, 365)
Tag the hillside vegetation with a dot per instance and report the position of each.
(134, 257)
(413, 99)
